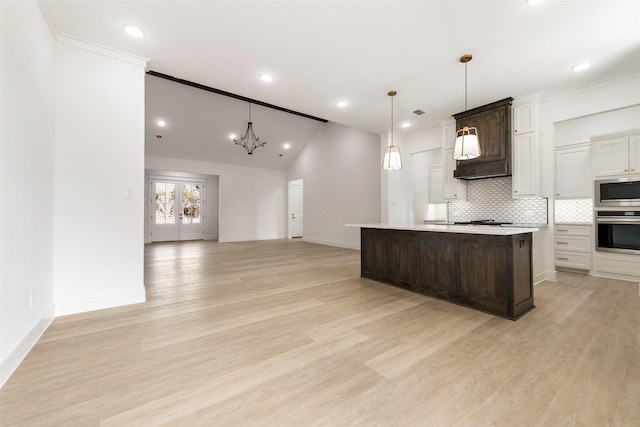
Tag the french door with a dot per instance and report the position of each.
(176, 210)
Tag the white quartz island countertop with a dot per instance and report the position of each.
(445, 228)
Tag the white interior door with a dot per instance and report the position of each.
(296, 189)
(176, 210)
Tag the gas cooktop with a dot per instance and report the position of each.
(482, 222)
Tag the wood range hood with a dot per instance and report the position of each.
(493, 122)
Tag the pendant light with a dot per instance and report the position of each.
(392, 159)
(467, 145)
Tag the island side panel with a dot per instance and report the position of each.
(522, 274)
(374, 258)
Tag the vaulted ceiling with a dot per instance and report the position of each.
(320, 52)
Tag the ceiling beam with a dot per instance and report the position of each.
(233, 95)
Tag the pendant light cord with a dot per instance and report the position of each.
(465, 86)
(392, 121)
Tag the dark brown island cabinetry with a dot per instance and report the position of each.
(491, 273)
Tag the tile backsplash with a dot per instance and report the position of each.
(492, 199)
(574, 210)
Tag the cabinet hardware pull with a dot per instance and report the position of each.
(561, 229)
(557, 194)
(626, 170)
(633, 170)
(562, 243)
(562, 259)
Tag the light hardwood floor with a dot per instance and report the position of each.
(286, 333)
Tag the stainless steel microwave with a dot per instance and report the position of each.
(617, 192)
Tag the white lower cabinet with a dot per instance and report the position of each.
(617, 266)
(572, 245)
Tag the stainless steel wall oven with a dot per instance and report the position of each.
(618, 231)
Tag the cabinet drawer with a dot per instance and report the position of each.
(573, 243)
(574, 230)
(578, 260)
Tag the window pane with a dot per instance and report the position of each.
(191, 204)
(165, 203)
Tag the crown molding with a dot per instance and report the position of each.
(102, 50)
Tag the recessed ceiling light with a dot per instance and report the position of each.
(161, 123)
(341, 104)
(287, 146)
(581, 67)
(534, 2)
(406, 125)
(134, 31)
(232, 136)
(266, 77)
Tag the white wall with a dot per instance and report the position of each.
(99, 155)
(252, 200)
(212, 221)
(341, 169)
(397, 195)
(26, 184)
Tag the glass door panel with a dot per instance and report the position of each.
(177, 211)
(191, 224)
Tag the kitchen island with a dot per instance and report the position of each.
(487, 268)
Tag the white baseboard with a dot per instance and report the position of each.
(64, 308)
(250, 238)
(14, 359)
(345, 245)
(211, 237)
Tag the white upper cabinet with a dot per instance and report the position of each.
(618, 155)
(525, 171)
(526, 148)
(525, 118)
(435, 184)
(454, 188)
(634, 153)
(448, 133)
(573, 172)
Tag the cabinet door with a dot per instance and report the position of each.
(436, 185)
(525, 165)
(454, 188)
(524, 118)
(634, 154)
(404, 249)
(611, 157)
(573, 172)
(374, 258)
(448, 134)
(439, 266)
(483, 274)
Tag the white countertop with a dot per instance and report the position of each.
(444, 228)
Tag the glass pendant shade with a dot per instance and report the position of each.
(467, 146)
(392, 159)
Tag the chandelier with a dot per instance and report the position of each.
(249, 140)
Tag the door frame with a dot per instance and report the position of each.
(290, 184)
(179, 181)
